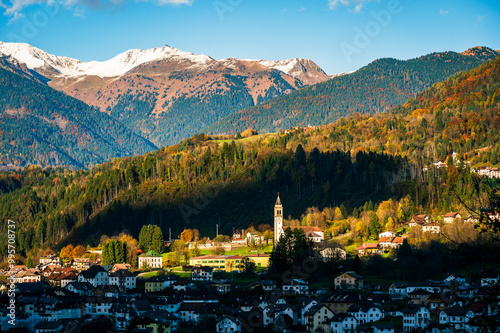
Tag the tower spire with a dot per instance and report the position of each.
(278, 201)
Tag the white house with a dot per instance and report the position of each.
(316, 315)
(95, 275)
(387, 234)
(228, 324)
(296, 287)
(123, 279)
(97, 306)
(190, 312)
(456, 316)
(202, 273)
(365, 312)
(451, 217)
(81, 288)
(150, 259)
(333, 253)
(415, 316)
(348, 280)
(432, 228)
(50, 259)
(343, 323)
(25, 277)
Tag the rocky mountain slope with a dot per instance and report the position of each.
(166, 94)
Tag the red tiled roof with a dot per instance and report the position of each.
(368, 246)
(452, 214)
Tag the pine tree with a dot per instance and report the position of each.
(29, 263)
(157, 241)
(118, 246)
(343, 210)
(144, 238)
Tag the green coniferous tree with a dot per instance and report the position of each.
(119, 258)
(157, 242)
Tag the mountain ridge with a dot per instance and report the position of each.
(42, 126)
(381, 85)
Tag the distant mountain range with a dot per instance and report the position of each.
(157, 97)
(166, 94)
(375, 88)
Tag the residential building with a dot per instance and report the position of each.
(419, 220)
(432, 228)
(259, 259)
(202, 273)
(415, 316)
(387, 234)
(343, 323)
(95, 275)
(348, 280)
(159, 283)
(330, 253)
(368, 249)
(365, 312)
(451, 217)
(316, 316)
(457, 317)
(266, 285)
(226, 263)
(296, 287)
(81, 264)
(123, 279)
(228, 324)
(150, 259)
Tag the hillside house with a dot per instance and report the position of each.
(432, 228)
(348, 280)
(419, 220)
(452, 217)
(368, 249)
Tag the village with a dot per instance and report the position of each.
(230, 292)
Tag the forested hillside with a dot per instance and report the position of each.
(378, 87)
(39, 125)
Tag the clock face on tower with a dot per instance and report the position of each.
(278, 220)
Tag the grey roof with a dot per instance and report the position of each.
(315, 308)
(84, 286)
(92, 272)
(122, 273)
(412, 308)
(361, 307)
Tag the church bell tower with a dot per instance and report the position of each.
(278, 220)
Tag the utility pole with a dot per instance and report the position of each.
(170, 233)
(217, 230)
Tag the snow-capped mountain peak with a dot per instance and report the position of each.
(116, 66)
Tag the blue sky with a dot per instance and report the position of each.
(339, 35)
